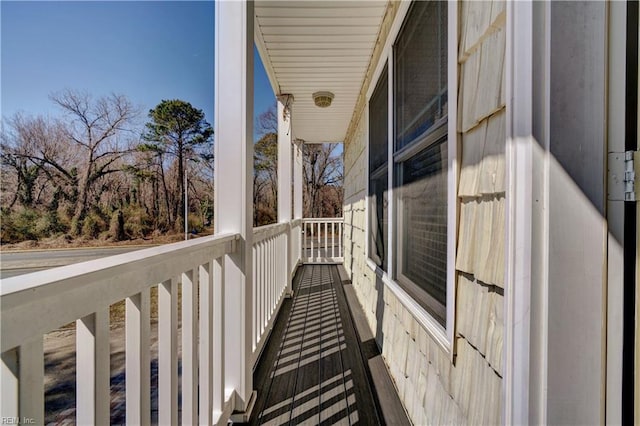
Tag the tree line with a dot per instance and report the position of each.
(98, 172)
(322, 170)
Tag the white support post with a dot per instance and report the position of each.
(284, 175)
(93, 368)
(233, 180)
(297, 180)
(297, 197)
(284, 158)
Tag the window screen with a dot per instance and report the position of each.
(423, 206)
(420, 71)
(378, 176)
(420, 155)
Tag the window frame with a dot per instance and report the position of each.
(381, 170)
(394, 281)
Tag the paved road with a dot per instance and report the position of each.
(22, 262)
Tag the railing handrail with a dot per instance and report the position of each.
(63, 273)
(323, 219)
(95, 283)
(261, 233)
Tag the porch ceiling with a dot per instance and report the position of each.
(311, 46)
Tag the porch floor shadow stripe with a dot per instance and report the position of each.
(316, 376)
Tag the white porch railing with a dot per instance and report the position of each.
(35, 304)
(275, 249)
(322, 240)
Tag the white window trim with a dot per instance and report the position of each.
(444, 336)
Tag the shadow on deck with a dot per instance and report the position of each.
(314, 369)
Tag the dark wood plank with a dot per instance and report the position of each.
(306, 400)
(388, 402)
(361, 401)
(334, 401)
(313, 370)
(274, 393)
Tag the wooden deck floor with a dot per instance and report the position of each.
(312, 371)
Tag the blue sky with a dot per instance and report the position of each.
(148, 51)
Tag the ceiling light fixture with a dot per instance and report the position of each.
(322, 99)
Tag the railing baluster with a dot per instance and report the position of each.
(333, 240)
(282, 263)
(270, 280)
(318, 257)
(274, 271)
(254, 308)
(10, 377)
(274, 284)
(31, 381)
(312, 252)
(137, 359)
(168, 352)
(260, 295)
(294, 249)
(205, 372)
(256, 292)
(264, 296)
(265, 284)
(189, 348)
(340, 227)
(93, 369)
(326, 247)
(219, 338)
(272, 275)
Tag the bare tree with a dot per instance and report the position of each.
(33, 149)
(265, 169)
(100, 132)
(81, 173)
(322, 169)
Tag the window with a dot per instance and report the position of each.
(378, 176)
(418, 159)
(420, 155)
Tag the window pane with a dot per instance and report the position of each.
(379, 124)
(423, 206)
(378, 223)
(420, 71)
(378, 176)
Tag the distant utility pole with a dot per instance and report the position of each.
(186, 203)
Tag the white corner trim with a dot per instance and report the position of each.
(452, 173)
(519, 168)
